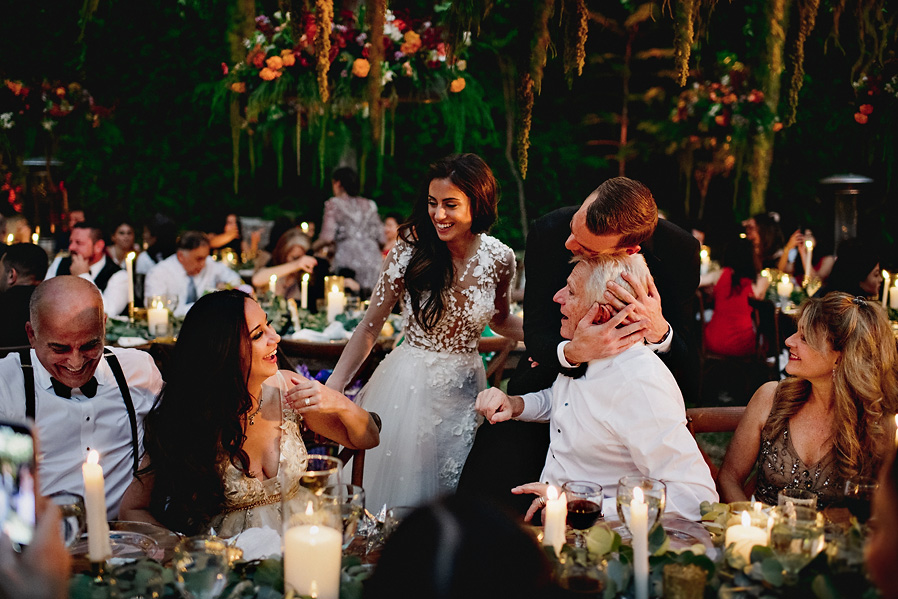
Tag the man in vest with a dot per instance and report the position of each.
(87, 257)
(81, 396)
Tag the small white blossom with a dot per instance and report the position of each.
(6, 121)
(48, 124)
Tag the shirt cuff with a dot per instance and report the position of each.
(561, 359)
(664, 346)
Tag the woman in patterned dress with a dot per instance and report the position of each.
(831, 420)
(453, 280)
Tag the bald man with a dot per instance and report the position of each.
(81, 395)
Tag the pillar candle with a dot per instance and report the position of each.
(129, 267)
(886, 278)
(893, 296)
(157, 319)
(809, 247)
(98, 548)
(304, 298)
(745, 536)
(312, 558)
(554, 519)
(639, 518)
(273, 283)
(336, 299)
(784, 287)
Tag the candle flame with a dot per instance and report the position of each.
(9, 239)
(638, 496)
(809, 244)
(35, 238)
(551, 493)
(305, 277)
(93, 457)
(742, 235)
(785, 278)
(304, 226)
(765, 273)
(309, 509)
(158, 304)
(756, 506)
(131, 256)
(746, 519)
(886, 275)
(313, 589)
(335, 289)
(273, 278)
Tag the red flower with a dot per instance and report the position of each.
(860, 117)
(224, 69)
(866, 109)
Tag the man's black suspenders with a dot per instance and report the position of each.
(28, 372)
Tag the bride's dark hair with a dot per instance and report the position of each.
(429, 271)
(197, 422)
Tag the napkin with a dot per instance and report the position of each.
(333, 332)
(131, 341)
(258, 543)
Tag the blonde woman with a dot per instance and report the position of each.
(829, 421)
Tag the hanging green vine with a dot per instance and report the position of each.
(575, 24)
(807, 16)
(540, 44)
(324, 22)
(684, 15)
(525, 116)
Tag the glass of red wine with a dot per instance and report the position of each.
(859, 495)
(584, 507)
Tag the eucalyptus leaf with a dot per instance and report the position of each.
(773, 571)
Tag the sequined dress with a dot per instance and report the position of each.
(253, 502)
(425, 389)
(780, 467)
(357, 231)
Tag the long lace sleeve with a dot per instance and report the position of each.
(390, 286)
(329, 222)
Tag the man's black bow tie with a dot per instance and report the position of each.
(89, 388)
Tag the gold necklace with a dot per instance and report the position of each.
(252, 416)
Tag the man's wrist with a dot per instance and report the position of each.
(663, 338)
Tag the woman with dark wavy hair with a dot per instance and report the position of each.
(453, 280)
(827, 422)
(228, 422)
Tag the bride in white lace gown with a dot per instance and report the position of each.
(453, 280)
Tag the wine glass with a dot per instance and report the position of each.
(858, 496)
(796, 537)
(321, 471)
(71, 507)
(201, 567)
(654, 493)
(584, 507)
(798, 497)
(350, 499)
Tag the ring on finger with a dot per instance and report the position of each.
(308, 401)
(542, 501)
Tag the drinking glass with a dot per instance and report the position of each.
(797, 497)
(858, 496)
(350, 499)
(201, 567)
(654, 492)
(584, 507)
(395, 516)
(71, 507)
(796, 537)
(323, 470)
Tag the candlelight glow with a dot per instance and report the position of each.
(35, 238)
(9, 239)
(93, 457)
(638, 497)
(273, 279)
(551, 493)
(756, 506)
(305, 277)
(335, 289)
(309, 511)
(784, 278)
(746, 519)
(304, 226)
(131, 256)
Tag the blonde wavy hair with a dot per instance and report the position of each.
(865, 386)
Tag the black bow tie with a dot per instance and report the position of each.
(89, 388)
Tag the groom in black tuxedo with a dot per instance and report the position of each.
(619, 216)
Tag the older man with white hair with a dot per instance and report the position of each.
(624, 416)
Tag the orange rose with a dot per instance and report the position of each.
(274, 63)
(360, 67)
(238, 87)
(866, 109)
(860, 117)
(288, 57)
(14, 86)
(457, 85)
(60, 91)
(412, 43)
(777, 126)
(268, 74)
(730, 98)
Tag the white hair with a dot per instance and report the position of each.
(609, 267)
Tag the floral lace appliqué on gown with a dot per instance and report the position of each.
(425, 389)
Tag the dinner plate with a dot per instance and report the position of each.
(132, 540)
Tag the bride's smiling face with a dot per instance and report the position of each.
(264, 343)
(449, 209)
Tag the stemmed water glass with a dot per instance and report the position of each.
(796, 537)
(350, 500)
(322, 470)
(584, 507)
(654, 493)
(201, 566)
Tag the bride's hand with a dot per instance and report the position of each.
(311, 396)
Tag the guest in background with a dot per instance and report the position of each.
(280, 226)
(827, 422)
(288, 261)
(353, 225)
(881, 550)
(160, 239)
(795, 256)
(87, 259)
(231, 238)
(441, 551)
(765, 233)
(17, 226)
(122, 243)
(22, 267)
(189, 273)
(731, 331)
(391, 231)
(856, 270)
(75, 216)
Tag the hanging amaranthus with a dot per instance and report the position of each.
(525, 116)
(684, 35)
(377, 14)
(807, 16)
(541, 39)
(465, 17)
(324, 22)
(575, 21)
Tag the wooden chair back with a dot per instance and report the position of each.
(713, 420)
(358, 456)
(500, 347)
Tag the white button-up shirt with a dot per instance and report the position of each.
(169, 278)
(625, 416)
(68, 428)
(92, 271)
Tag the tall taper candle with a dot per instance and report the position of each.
(639, 530)
(98, 548)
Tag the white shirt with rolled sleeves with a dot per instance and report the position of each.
(68, 428)
(169, 278)
(625, 416)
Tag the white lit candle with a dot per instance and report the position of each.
(705, 260)
(639, 518)
(304, 226)
(312, 557)
(98, 548)
(304, 298)
(554, 519)
(336, 299)
(893, 296)
(273, 283)
(745, 536)
(9, 239)
(157, 319)
(886, 278)
(809, 250)
(784, 287)
(129, 267)
(35, 238)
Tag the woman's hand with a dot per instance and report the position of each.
(538, 489)
(306, 263)
(311, 396)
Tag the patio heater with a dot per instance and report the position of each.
(845, 191)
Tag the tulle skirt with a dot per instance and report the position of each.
(426, 402)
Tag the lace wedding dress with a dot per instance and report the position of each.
(253, 502)
(425, 389)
